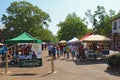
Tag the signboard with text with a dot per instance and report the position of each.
(30, 62)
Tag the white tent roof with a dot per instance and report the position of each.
(73, 40)
(96, 38)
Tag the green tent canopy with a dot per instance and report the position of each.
(24, 38)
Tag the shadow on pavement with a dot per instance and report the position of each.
(113, 71)
(24, 74)
(89, 62)
(46, 74)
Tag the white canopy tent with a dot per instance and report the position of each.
(96, 37)
(73, 40)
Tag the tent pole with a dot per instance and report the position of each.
(6, 67)
(52, 63)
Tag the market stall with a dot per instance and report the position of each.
(26, 60)
(96, 38)
(96, 45)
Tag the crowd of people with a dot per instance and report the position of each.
(75, 51)
(67, 51)
(21, 51)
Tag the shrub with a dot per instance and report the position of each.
(114, 60)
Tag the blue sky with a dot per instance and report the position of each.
(59, 9)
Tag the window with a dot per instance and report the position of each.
(115, 25)
(119, 24)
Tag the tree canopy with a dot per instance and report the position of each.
(73, 26)
(101, 20)
(24, 17)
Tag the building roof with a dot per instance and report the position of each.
(116, 17)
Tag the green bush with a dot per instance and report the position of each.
(114, 60)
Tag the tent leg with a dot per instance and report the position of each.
(6, 66)
(52, 64)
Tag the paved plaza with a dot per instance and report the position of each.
(64, 70)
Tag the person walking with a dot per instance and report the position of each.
(64, 52)
(58, 51)
(50, 50)
(81, 52)
(67, 51)
(72, 48)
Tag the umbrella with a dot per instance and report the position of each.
(63, 41)
(1, 44)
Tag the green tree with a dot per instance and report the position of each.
(101, 20)
(43, 34)
(23, 16)
(73, 26)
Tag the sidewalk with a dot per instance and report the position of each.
(66, 70)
